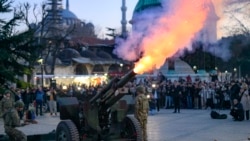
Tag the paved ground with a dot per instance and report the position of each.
(189, 125)
(195, 125)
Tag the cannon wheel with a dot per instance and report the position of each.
(67, 131)
(132, 129)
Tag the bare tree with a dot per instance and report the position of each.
(239, 18)
(50, 35)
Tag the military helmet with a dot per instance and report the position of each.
(140, 89)
(19, 104)
(7, 92)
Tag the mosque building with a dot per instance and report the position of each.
(83, 58)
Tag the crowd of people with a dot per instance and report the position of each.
(187, 94)
(161, 92)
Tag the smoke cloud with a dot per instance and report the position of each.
(162, 32)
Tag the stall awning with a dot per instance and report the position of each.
(82, 60)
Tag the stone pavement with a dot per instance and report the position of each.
(189, 125)
(45, 125)
(195, 125)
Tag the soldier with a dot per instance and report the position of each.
(141, 110)
(6, 103)
(12, 120)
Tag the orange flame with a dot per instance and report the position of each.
(172, 34)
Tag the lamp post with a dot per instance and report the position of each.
(41, 65)
(235, 73)
(226, 75)
(120, 69)
(42, 73)
(195, 69)
(239, 71)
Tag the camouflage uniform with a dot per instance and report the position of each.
(5, 105)
(12, 120)
(141, 110)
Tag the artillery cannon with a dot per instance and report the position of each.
(102, 117)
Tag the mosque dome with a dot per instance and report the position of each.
(180, 67)
(88, 54)
(144, 4)
(67, 14)
(69, 18)
(67, 54)
(104, 55)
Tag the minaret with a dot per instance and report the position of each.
(54, 13)
(67, 4)
(124, 21)
(209, 32)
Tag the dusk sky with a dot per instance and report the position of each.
(102, 13)
(107, 13)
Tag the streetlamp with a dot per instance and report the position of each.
(41, 65)
(235, 73)
(239, 71)
(195, 68)
(226, 75)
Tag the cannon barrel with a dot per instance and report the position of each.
(103, 90)
(112, 101)
(108, 91)
(110, 98)
(125, 79)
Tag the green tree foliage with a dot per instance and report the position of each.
(239, 47)
(203, 60)
(18, 50)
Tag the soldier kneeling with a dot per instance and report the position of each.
(12, 120)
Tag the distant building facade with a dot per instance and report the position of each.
(82, 55)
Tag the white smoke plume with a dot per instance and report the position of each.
(148, 19)
(130, 49)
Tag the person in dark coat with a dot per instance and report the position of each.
(237, 111)
(177, 94)
(156, 93)
(234, 91)
(189, 93)
(168, 97)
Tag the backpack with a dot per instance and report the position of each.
(216, 115)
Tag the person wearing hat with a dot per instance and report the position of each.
(141, 110)
(6, 103)
(12, 120)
